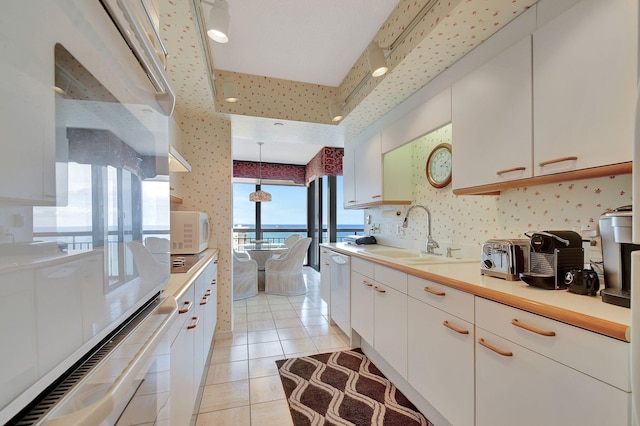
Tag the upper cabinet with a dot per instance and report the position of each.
(584, 86)
(369, 179)
(492, 120)
(556, 106)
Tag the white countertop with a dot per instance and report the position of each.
(588, 312)
(179, 283)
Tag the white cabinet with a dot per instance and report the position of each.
(182, 397)
(532, 370)
(584, 91)
(27, 117)
(366, 182)
(379, 310)
(441, 348)
(390, 326)
(325, 276)
(362, 306)
(191, 335)
(492, 120)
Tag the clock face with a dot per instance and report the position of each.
(439, 166)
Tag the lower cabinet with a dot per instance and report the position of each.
(362, 306)
(440, 361)
(516, 386)
(193, 333)
(390, 326)
(532, 370)
(325, 276)
(182, 396)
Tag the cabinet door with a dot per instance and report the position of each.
(368, 166)
(440, 361)
(521, 387)
(182, 396)
(390, 326)
(492, 120)
(362, 306)
(585, 77)
(349, 175)
(325, 276)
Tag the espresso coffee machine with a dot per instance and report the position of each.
(553, 255)
(615, 233)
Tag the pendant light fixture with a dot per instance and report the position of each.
(218, 24)
(260, 196)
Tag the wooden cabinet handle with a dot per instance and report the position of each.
(194, 323)
(351, 201)
(367, 283)
(557, 160)
(493, 348)
(186, 306)
(376, 196)
(513, 169)
(204, 300)
(434, 292)
(532, 329)
(326, 263)
(454, 328)
(215, 262)
(214, 281)
(379, 290)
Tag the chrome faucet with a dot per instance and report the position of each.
(431, 243)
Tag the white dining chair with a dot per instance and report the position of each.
(245, 277)
(284, 275)
(291, 239)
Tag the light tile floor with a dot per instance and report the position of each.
(242, 385)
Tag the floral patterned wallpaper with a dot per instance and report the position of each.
(467, 221)
(327, 162)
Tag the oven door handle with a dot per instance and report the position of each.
(120, 390)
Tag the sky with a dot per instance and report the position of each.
(288, 206)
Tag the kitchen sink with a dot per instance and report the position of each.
(415, 257)
(395, 253)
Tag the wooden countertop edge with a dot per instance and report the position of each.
(595, 324)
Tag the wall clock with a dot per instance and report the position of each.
(438, 166)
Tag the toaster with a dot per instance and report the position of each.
(505, 258)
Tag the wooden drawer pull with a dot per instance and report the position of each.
(194, 323)
(367, 283)
(434, 292)
(493, 348)
(376, 196)
(379, 290)
(513, 169)
(186, 306)
(454, 328)
(558, 160)
(532, 329)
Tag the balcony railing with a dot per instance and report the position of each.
(244, 236)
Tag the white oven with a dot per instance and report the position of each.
(84, 111)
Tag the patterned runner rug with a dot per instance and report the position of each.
(344, 388)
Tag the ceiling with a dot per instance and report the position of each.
(292, 57)
(311, 41)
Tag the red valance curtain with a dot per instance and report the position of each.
(328, 162)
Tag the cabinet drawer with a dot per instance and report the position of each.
(599, 356)
(186, 303)
(390, 277)
(448, 299)
(363, 267)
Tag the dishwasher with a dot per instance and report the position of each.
(340, 300)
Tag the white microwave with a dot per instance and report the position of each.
(189, 232)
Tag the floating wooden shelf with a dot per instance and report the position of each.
(595, 172)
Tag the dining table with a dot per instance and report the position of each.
(260, 251)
